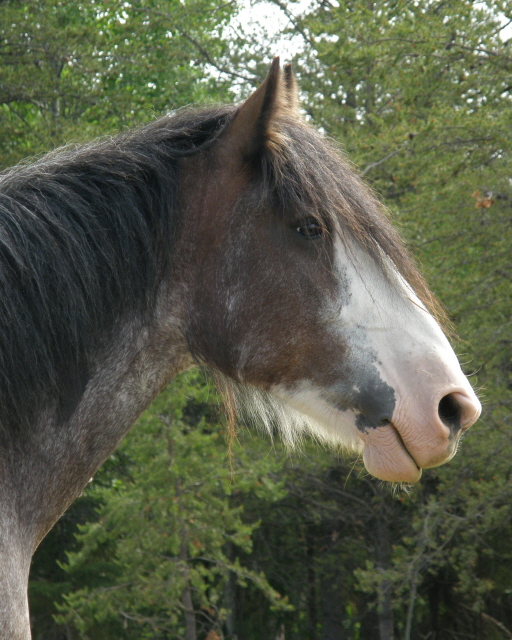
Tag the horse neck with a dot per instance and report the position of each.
(46, 463)
(86, 237)
(58, 459)
(55, 461)
(14, 569)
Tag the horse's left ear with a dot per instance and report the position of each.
(292, 90)
(254, 125)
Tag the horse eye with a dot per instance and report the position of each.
(310, 228)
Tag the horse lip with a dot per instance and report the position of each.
(399, 466)
(449, 451)
(401, 440)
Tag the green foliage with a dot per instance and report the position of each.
(72, 71)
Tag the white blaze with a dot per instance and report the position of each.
(395, 343)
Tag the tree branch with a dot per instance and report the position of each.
(379, 162)
(198, 45)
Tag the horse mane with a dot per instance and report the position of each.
(86, 237)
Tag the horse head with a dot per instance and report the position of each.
(297, 288)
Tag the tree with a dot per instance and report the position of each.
(73, 71)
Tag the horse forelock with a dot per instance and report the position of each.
(309, 175)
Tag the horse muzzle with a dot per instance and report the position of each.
(419, 437)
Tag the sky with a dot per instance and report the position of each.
(266, 19)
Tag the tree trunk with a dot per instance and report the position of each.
(433, 597)
(331, 591)
(230, 597)
(311, 589)
(190, 616)
(383, 551)
(332, 609)
(186, 596)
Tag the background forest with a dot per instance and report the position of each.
(171, 540)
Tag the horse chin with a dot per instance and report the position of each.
(386, 457)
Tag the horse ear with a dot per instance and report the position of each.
(292, 90)
(253, 127)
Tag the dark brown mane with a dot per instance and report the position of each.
(86, 235)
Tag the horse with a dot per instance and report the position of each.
(232, 237)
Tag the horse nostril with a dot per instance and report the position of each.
(450, 412)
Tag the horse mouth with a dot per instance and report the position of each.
(386, 457)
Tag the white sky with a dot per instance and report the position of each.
(266, 19)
